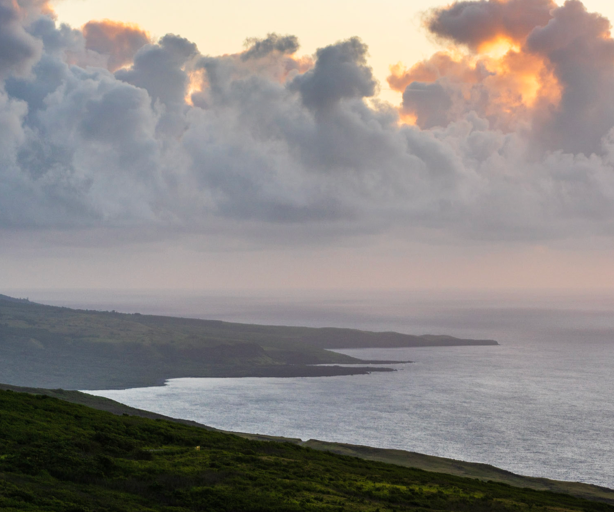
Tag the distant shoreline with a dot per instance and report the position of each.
(58, 347)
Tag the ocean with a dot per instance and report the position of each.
(540, 404)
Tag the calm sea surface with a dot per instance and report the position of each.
(541, 404)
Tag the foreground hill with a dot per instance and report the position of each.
(58, 456)
(431, 463)
(53, 347)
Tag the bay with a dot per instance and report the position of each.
(540, 404)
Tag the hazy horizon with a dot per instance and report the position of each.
(482, 314)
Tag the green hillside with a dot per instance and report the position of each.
(58, 456)
(431, 463)
(53, 347)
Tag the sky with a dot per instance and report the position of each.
(327, 145)
(392, 29)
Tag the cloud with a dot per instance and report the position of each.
(440, 65)
(477, 23)
(273, 43)
(531, 66)
(340, 72)
(268, 145)
(118, 41)
(430, 103)
(159, 69)
(18, 49)
(580, 50)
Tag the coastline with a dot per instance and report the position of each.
(57, 347)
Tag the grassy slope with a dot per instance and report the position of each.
(45, 346)
(57, 456)
(398, 457)
(465, 469)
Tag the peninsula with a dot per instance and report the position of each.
(57, 347)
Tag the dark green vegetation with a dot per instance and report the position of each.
(466, 469)
(52, 347)
(58, 456)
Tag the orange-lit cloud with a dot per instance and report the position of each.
(487, 67)
(498, 47)
(440, 65)
(525, 78)
(477, 24)
(31, 9)
(504, 90)
(197, 82)
(120, 41)
(408, 118)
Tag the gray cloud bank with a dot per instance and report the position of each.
(103, 128)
